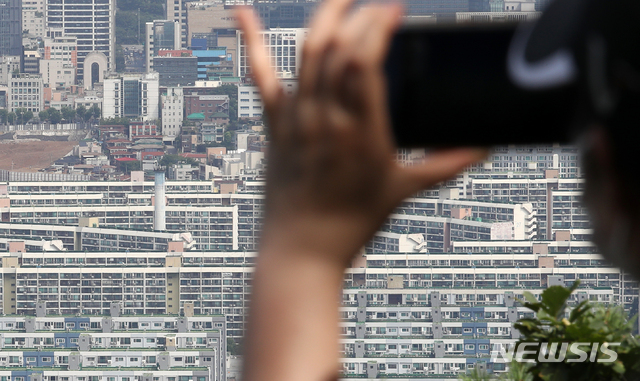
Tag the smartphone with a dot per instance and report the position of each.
(452, 85)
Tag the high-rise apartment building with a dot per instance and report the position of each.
(92, 22)
(161, 35)
(33, 17)
(131, 96)
(10, 27)
(172, 101)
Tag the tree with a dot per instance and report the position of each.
(43, 115)
(95, 111)
(68, 113)
(129, 166)
(21, 114)
(3, 115)
(28, 116)
(115, 121)
(81, 112)
(586, 323)
(234, 349)
(55, 116)
(168, 160)
(11, 117)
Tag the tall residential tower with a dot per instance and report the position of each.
(91, 21)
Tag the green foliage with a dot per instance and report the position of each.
(129, 166)
(476, 374)
(55, 116)
(23, 115)
(95, 111)
(586, 323)
(68, 114)
(3, 115)
(11, 117)
(168, 160)
(116, 121)
(127, 23)
(233, 348)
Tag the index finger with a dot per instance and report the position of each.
(263, 73)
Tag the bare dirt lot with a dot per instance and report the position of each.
(32, 156)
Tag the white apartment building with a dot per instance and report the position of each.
(172, 105)
(249, 102)
(25, 91)
(131, 96)
(8, 65)
(92, 22)
(113, 346)
(284, 47)
(57, 73)
(33, 21)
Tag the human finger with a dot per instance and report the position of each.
(261, 69)
(351, 33)
(439, 166)
(322, 31)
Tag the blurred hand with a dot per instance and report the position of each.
(332, 179)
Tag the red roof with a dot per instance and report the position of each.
(126, 159)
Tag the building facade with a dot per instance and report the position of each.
(172, 101)
(131, 96)
(91, 22)
(160, 34)
(10, 28)
(25, 91)
(284, 47)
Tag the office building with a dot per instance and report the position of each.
(284, 47)
(177, 11)
(176, 68)
(92, 23)
(206, 58)
(285, 14)
(25, 91)
(160, 35)
(10, 28)
(131, 96)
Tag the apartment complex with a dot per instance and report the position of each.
(429, 311)
(113, 346)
